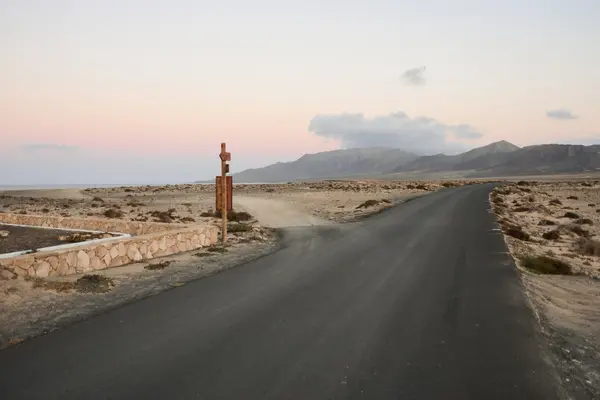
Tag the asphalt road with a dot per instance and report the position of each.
(419, 302)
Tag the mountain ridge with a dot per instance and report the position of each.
(500, 158)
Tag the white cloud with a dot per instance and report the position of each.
(414, 76)
(398, 130)
(561, 114)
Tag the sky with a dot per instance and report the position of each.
(144, 91)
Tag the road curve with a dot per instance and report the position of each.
(419, 302)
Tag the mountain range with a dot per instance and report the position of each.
(494, 160)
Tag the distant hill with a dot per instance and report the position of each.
(479, 158)
(545, 159)
(494, 160)
(329, 164)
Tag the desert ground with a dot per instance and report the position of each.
(37, 305)
(556, 219)
(337, 201)
(553, 231)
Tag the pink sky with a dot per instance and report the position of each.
(127, 78)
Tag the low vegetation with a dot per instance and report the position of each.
(83, 237)
(86, 284)
(552, 235)
(239, 228)
(546, 265)
(232, 216)
(113, 213)
(572, 215)
(372, 203)
(217, 249)
(516, 232)
(158, 266)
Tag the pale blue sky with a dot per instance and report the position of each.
(142, 83)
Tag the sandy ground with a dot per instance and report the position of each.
(562, 220)
(327, 200)
(36, 306)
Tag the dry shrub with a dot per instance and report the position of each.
(546, 265)
(85, 284)
(187, 219)
(217, 249)
(58, 286)
(546, 222)
(94, 284)
(522, 209)
(552, 235)
(572, 198)
(135, 203)
(555, 202)
(157, 266)
(235, 216)
(239, 228)
(517, 233)
(588, 247)
(98, 199)
(83, 237)
(572, 215)
(585, 221)
(368, 203)
(163, 216)
(113, 213)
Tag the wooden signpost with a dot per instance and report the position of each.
(224, 190)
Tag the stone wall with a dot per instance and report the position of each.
(92, 224)
(93, 257)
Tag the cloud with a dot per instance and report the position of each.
(398, 130)
(561, 114)
(48, 147)
(414, 76)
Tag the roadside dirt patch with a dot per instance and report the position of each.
(560, 269)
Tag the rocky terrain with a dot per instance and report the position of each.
(553, 231)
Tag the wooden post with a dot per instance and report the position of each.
(224, 192)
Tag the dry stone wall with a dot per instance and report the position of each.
(92, 224)
(93, 257)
